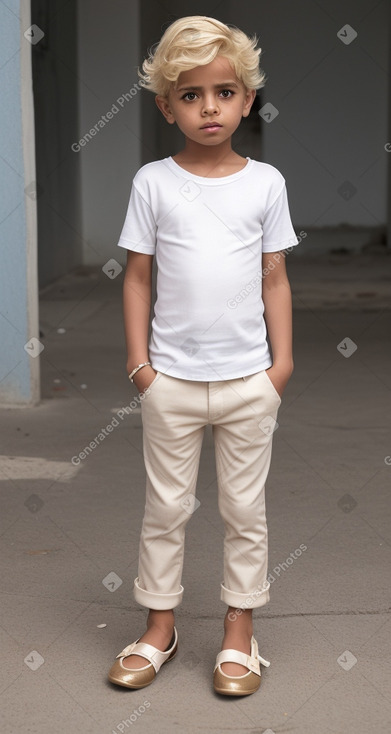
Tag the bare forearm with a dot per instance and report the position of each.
(137, 306)
(278, 317)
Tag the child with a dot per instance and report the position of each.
(212, 218)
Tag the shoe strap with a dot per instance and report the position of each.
(249, 661)
(151, 653)
(235, 656)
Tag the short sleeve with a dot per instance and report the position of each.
(139, 230)
(278, 232)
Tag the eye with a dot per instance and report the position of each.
(186, 95)
(226, 92)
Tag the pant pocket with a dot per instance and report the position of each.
(273, 389)
(152, 386)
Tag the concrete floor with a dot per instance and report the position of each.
(69, 532)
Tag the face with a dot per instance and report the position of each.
(204, 95)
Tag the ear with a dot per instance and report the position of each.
(164, 107)
(248, 102)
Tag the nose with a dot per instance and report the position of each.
(210, 105)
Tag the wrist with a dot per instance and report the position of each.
(132, 362)
(137, 369)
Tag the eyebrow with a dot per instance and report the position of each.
(223, 85)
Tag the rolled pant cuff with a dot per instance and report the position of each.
(156, 601)
(245, 601)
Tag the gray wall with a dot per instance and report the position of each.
(332, 102)
(86, 61)
(107, 71)
(55, 71)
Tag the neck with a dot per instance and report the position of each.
(208, 155)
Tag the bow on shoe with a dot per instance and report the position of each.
(252, 663)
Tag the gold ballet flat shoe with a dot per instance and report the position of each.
(239, 685)
(140, 677)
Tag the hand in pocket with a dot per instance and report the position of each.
(144, 378)
(279, 377)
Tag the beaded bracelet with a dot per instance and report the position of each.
(136, 369)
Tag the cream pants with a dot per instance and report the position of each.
(242, 412)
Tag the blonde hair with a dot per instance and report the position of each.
(195, 41)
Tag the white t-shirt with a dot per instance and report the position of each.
(208, 235)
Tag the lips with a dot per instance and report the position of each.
(211, 124)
